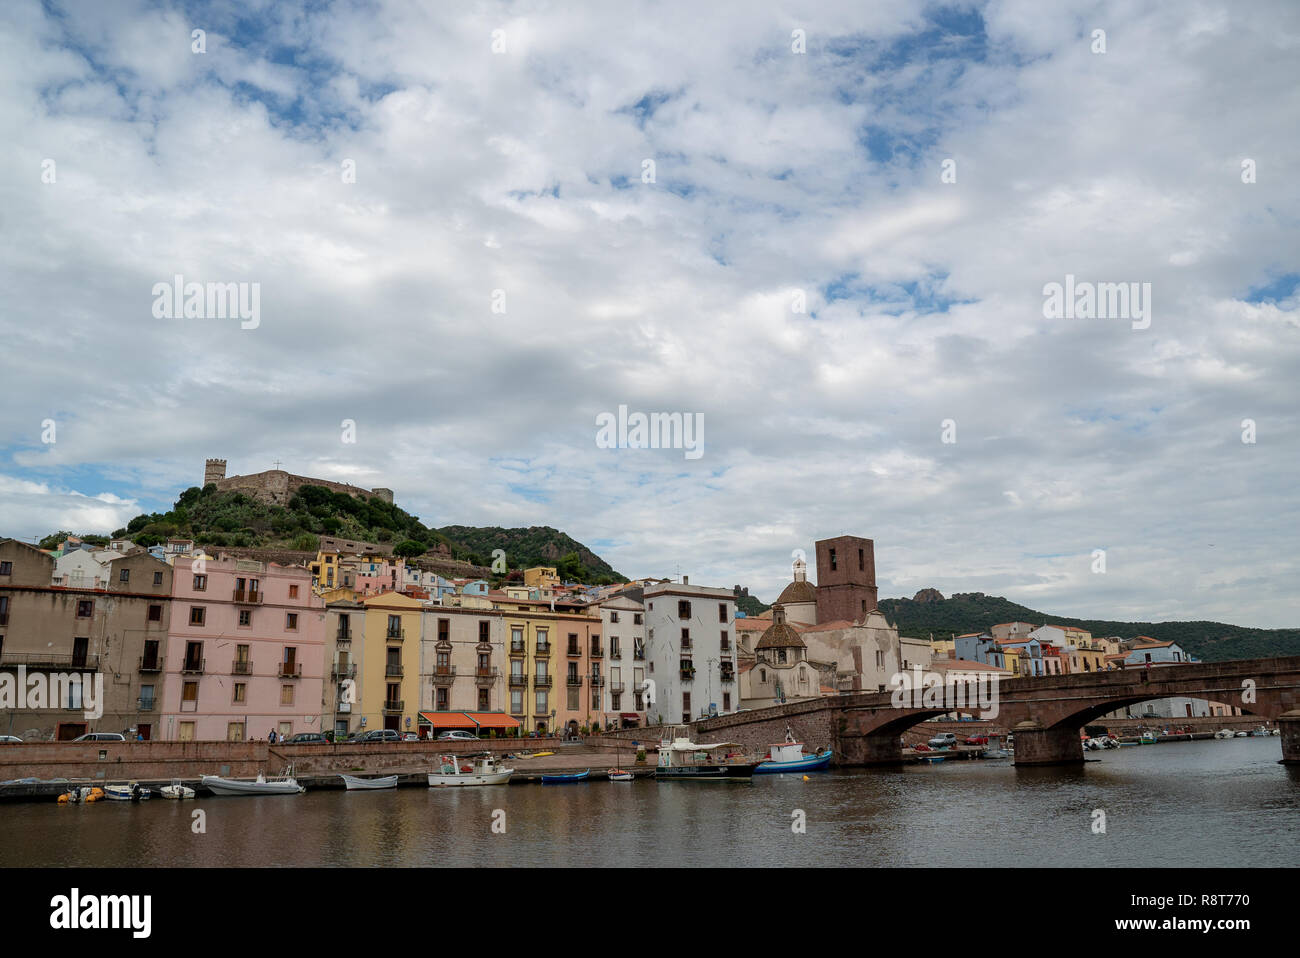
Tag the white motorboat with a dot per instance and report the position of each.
(1242, 734)
(1224, 733)
(1261, 732)
(176, 791)
(131, 792)
(483, 770)
(680, 759)
(260, 786)
(355, 784)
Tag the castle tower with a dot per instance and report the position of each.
(385, 495)
(846, 578)
(214, 470)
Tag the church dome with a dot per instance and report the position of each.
(798, 592)
(779, 634)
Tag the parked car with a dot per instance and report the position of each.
(377, 735)
(10, 739)
(307, 738)
(410, 737)
(458, 736)
(943, 740)
(977, 739)
(101, 737)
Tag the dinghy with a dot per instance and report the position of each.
(260, 786)
(355, 784)
(565, 778)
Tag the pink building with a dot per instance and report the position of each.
(245, 652)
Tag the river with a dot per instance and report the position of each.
(1207, 803)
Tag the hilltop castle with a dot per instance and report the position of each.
(276, 486)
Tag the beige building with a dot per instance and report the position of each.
(462, 661)
(345, 632)
(781, 672)
(867, 654)
(115, 633)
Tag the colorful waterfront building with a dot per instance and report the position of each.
(245, 652)
(388, 686)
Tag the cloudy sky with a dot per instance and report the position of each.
(504, 147)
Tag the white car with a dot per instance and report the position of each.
(10, 739)
(943, 740)
(458, 736)
(101, 737)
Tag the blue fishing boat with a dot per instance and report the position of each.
(789, 756)
(564, 779)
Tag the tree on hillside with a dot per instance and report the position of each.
(409, 549)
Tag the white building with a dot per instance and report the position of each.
(622, 622)
(690, 651)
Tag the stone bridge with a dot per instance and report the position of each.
(1046, 713)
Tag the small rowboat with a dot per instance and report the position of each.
(355, 784)
(565, 779)
(618, 775)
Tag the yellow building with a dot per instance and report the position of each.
(389, 686)
(541, 577)
(325, 570)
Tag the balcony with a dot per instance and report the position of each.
(725, 645)
(485, 676)
(346, 671)
(51, 660)
(394, 671)
(597, 652)
(574, 650)
(542, 681)
(444, 675)
(248, 596)
(686, 644)
(146, 705)
(343, 638)
(574, 681)
(614, 654)
(394, 706)
(598, 681)
(616, 687)
(518, 681)
(543, 648)
(395, 635)
(687, 674)
(290, 670)
(193, 666)
(150, 663)
(518, 648)
(728, 676)
(241, 668)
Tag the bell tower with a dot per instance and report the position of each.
(846, 578)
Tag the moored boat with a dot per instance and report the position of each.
(131, 792)
(482, 771)
(789, 756)
(176, 791)
(564, 778)
(619, 775)
(680, 759)
(355, 784)
(235, 787)
(81, 795)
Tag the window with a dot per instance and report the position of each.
(725, 642)
(686, 638)
(683, 609)
(200, 583)
(722, 612)
(441, 696)
(484, 631)
(615, 701)
(517, 702)
(85, 608)
(234, 731)
(293, 592)
(686, 706)
(286, 694)
(540, 701)
(483, 700)
(146, 698)
(613, 617)
(245, 618)
(394, 626)
(124, 575)
(636, 618)
(444, 630)
(573, 697)
(834, 565)
(155, 613)
(6, 568)
(595, 699)
(187, 732)
(241, 690)
(726, 701)
(196, 614)
(157, 578)
(291, 621)
(190, 692)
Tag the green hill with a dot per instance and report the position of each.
(929, 613)
(234, 519)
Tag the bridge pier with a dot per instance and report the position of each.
(869, 750)
(1036, 745)
(1289, 724)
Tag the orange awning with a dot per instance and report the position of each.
(494, 720)
(448, 720)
